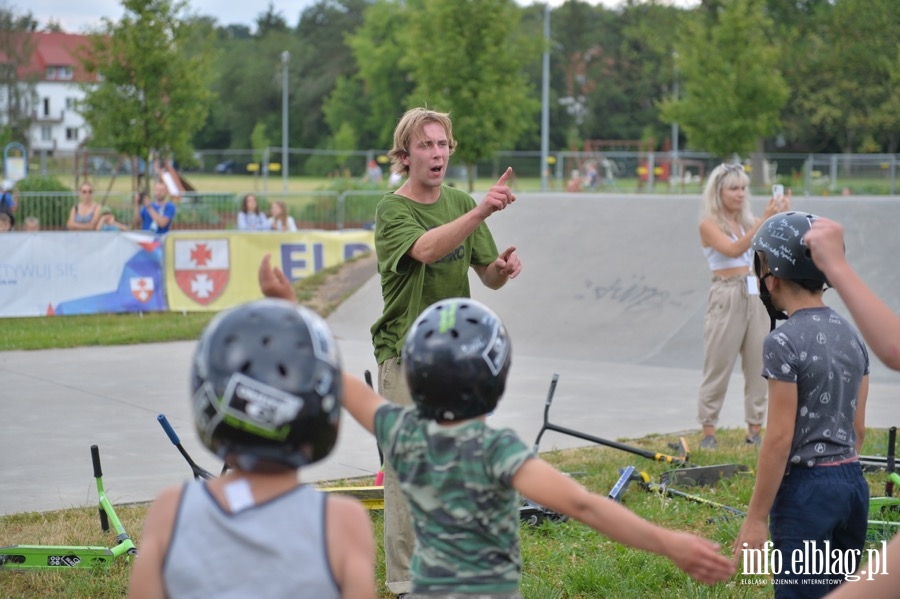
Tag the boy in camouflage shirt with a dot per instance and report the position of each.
(462, 478)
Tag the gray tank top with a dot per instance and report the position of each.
(272, 550)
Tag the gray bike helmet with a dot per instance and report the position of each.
(267, 387)
(456, 359)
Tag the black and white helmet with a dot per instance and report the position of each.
(780, 238)
(267, 387)
(456, 359)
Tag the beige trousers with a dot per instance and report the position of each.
(736, 324)
(399, 537)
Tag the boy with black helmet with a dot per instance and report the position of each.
(462, 477)
(810, 491)
(267, 393)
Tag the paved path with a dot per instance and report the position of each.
(611, 298)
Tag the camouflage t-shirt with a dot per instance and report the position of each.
(457, 480)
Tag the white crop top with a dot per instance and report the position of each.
(719, 261)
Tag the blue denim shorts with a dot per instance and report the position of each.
(815, 505)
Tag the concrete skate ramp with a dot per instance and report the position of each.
(623, 279)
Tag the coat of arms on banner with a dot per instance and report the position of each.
(202, 267)
(142, 288)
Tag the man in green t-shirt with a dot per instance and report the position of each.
(427, 235)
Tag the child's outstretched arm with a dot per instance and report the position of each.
(699, 558)
(361, 401)
(876, 321)
(273, 283)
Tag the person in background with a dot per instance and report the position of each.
(280, 219)
(86, 212)
(809, 490)
(5, 222)
(157, 216)
(108, 221)
(266, 396)
(8, 200)
(736, 321)
(574, 183)
(251, 218)
(373, 172)
(32, 224)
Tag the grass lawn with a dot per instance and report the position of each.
(562, 560)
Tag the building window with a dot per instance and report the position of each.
(72, 134)
(46, 106)
(59, 72)
(46, 133)
(70, 103)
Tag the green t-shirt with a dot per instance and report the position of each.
(409, 286)
(457, 480)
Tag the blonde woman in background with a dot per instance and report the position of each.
(736, 321)
(280, 219)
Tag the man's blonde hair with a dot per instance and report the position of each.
(409, 127)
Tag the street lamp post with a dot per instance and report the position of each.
(285, 58)
(545, 101)
(674, 171)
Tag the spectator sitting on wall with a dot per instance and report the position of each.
(281, 220)
(84, 215)
(5, 222)
(251, 218)
(32, 224)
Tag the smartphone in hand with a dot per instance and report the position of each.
(778, 191)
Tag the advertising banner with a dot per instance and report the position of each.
(80, 273)
(214, 270)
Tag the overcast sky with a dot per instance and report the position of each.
(78, 16)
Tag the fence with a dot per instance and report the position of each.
(620, 171)
(329, 210)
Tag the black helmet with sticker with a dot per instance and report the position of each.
(267, 388)
(456, 359)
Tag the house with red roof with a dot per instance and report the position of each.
(54, 67)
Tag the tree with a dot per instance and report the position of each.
(322, 59)
(850, 86)
(731, 88)
(155, 67)
(466, 59)
(16, 85)
(372, 98)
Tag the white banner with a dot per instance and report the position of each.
(49, 273)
